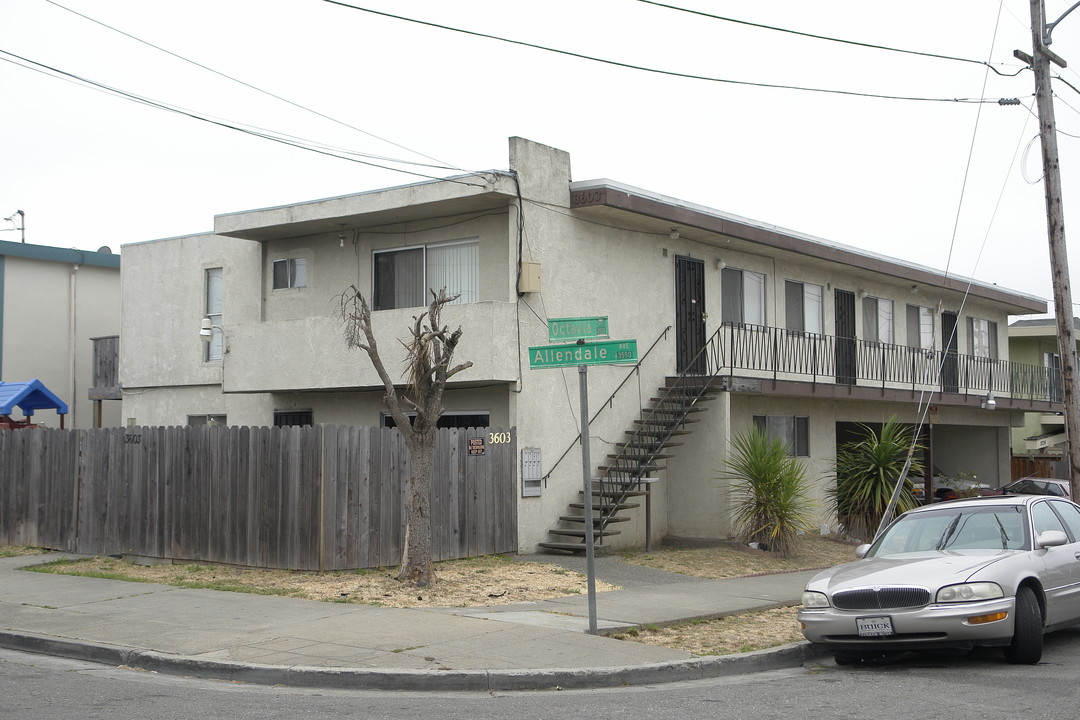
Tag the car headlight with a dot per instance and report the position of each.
(969, 592)
(811, 599)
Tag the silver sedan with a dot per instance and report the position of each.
(991, 571)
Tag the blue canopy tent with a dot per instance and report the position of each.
(28, 397)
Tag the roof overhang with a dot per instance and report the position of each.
(605, 199)
(377, 208)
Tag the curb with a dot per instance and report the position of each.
(779, 658)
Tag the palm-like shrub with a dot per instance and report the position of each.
(866, 473)
(771, 504)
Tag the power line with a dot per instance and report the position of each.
(830, 39)
(257, 89)
(657, 71)
(266, 135)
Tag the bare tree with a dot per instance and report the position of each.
(428, 355)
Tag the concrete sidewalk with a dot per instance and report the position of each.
(278, 640)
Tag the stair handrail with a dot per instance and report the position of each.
(611, 398)
(713, 364)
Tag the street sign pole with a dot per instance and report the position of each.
(590, 550)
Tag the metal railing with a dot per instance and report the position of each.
(778, 353)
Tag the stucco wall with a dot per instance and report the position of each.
(164, 301)
(51, 310)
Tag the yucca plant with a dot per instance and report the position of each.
(866, 473)
(770, 487)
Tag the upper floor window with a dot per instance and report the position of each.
(290, 273)
(403, 277)
(878, 319)
(982, 338)
(803, 306)
(920, 327)
(742, 295)
(213, 311)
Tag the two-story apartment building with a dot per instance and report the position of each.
(788, 332)
(54, 305)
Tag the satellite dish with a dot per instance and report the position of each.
(105, 249)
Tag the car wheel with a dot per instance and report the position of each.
(1027, 642)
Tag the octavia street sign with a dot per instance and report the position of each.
(583, 353)
(573, 329)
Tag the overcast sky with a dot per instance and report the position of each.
(951, 185)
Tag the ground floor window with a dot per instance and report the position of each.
(207, 420)
(289, 418)
(448, 420)
(792, 430)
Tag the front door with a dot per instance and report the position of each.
(844, 301)
(950, 371)
(689, 315)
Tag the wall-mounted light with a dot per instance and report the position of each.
(720, 264)
(341, 236)
(914, 289)
(674, 234)
(862, 293)
(988, 402)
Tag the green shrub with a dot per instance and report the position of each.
(866, 473)
(770, 487)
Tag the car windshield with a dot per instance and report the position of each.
(1001, 527)
(1029, 486)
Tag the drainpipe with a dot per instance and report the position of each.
(72, 399)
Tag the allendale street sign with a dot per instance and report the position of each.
(574, 332)
(583, 353)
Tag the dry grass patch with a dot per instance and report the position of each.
(19, 550)
(728, 560)
(725, 636)
(492, 580)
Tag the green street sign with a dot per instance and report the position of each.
(594, 353)
(574, 329)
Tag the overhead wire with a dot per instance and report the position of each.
(253, 87)
(266, 135)
(926, 397)
(642, 68)
(827, 38)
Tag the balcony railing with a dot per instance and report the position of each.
(782, 354)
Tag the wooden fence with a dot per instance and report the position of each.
(304, 498)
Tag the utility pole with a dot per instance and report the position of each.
(1055, 224)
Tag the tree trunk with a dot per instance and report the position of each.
(416, 566)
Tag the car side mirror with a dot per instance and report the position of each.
(860, 552)
(1051, 538)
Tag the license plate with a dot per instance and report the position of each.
(874, 626)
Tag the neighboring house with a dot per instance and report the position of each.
(1038, 445)
(53, 303)
(793, 334)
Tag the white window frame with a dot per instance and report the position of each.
(792, 430)
(295, 275)
(750, 308)
(213, 303)
(804, 306)
(878, 320)
(923, 328)
(982, 338)
(429, 255)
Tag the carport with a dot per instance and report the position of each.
(29, 397)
